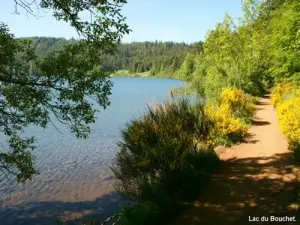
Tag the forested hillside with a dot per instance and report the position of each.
(252, 55)
(161, 58)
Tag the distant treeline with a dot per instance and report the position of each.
(160, 58)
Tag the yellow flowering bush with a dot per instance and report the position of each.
(231, 116)
(234, 96)
(278, 93)
(286, 100)
(227, 128)
(289, 119)
(241, 104)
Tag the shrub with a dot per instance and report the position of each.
(241, 104)
(158, 144)
(296, 148)
(286, 99)
(160, 162)
(228, 129)
(279, 92)
(231, 116)
(289, 120)
(144, 213)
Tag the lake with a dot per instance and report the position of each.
(75, 179)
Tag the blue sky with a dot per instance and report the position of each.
(150, 20)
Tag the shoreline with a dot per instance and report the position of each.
(142, 75)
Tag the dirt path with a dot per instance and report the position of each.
(257, 179)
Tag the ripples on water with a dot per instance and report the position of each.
(75, 179)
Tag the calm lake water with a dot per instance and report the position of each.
(75, 179)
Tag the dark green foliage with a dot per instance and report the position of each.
(160, 162)
(32, 89)
(43, 46)
(297, 154)
(156, 144)
(296, 149)
(57, 82)
(144, 213)
(160, 58)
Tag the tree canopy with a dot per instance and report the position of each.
(252, 54)
(33, 88)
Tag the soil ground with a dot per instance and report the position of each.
(257, 178)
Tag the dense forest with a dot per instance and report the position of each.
(261, 49)
(160, 58)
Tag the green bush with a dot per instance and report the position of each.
(158, 144)
(161, 160)
(296, 149)
(142, 214)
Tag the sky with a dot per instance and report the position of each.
(163, 20)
